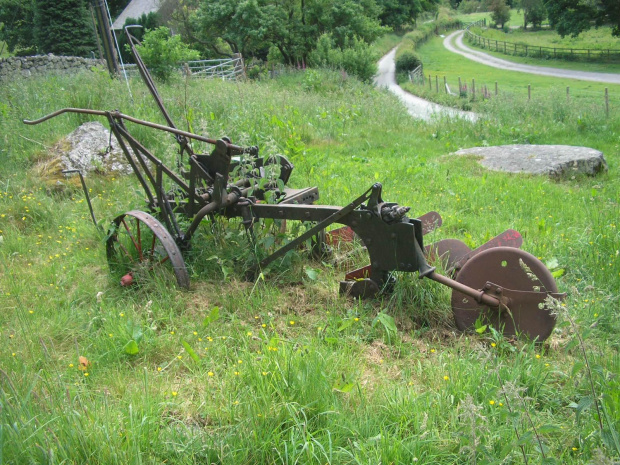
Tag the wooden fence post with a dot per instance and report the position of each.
(473, 89)
(495, 87)
(460, 87)
(430, 83)
(607, 102)
(445, 85)
(529, 92)
(436, 83)
(567, 94)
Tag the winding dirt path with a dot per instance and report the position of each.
(454, 43)
(417, 107)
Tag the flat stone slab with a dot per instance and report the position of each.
(549, 160)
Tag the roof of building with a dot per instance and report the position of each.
(135, 9)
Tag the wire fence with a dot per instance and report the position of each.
(475, 91)
(538, 51)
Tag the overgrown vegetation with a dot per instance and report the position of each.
(262, 372)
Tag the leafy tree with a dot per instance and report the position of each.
(16, 18)
(397, 13)
(162, 53)
(63, 27)
(534, 12)
(572, 17)
(500, 12)
(147, 21)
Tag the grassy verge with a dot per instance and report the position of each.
(282, 370)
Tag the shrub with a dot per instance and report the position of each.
(407, 61)
(162, 53)
(356, 58)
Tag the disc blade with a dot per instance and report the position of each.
(523, 279)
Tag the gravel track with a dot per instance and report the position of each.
(454, 43)
(417, 107)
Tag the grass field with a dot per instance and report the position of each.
(282, 370)
(440, 62)
(597, 39)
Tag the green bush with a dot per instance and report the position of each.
(163, 53)
(356, 58)
(407, 61)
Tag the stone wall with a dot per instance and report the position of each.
(20, 67)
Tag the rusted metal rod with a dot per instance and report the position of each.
(117, 114)
(476, 294)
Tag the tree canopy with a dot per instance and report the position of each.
(62, 27)
(572, 17)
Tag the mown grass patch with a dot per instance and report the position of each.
(282, 369)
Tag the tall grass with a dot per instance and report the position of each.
(282, 370)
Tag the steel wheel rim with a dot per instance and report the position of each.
(139, 243)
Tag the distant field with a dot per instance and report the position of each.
(598, 39)
(438, 61)
(516, 17)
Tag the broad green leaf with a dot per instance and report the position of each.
(548, 429)
(331, 340)
(131, 348)
(213, 315)
(344, 387)
(525, 438)
(190, 351)
(558, 273)
(481, 329)
(346, 324)
(311, 273)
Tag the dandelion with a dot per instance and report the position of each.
(239, 361)
(210, 373)
(575, 449)
(236, 373)
(249, 333)
(86, 373)
(13, 354)
(71, 365)
(356, 319)
(121, 315)
(491, 402)
(195, 333)
(446, 378)
(31, 311)
(172, 332)
(264, 373)
(432, 351)
(158, 368)
(11, 336)
(264, 325)
(174, 393)
(111, 335)
(493, 344)
(537, 355)
(291, 322)
(179, 357)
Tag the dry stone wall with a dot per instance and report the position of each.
(21, 67)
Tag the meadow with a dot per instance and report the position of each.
(282, 369)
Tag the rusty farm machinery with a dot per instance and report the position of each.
(497, 284)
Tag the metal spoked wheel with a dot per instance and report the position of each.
(527, 283)
(140, 249)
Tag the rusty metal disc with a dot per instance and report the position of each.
(140, 246)
(521, 278)
(448, 252)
